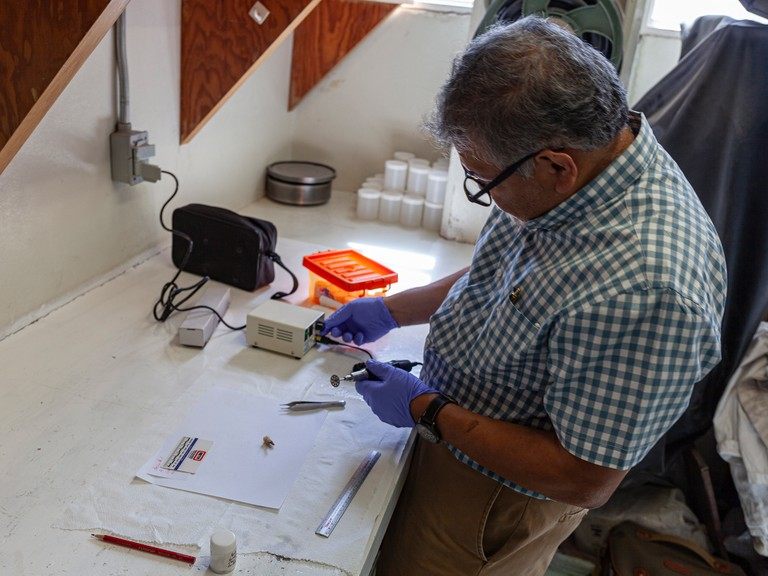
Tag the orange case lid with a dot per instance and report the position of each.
(349, 270)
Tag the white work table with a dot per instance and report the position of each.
(94, 385)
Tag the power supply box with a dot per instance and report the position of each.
(282, 327)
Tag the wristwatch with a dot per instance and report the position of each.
(427, 426)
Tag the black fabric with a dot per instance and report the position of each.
(699, 30)
(759, 7)
(227, 247)
(711, 114)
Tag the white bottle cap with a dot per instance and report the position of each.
(223, 552)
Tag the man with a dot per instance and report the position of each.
(572, 342)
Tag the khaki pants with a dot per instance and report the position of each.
(452, 520)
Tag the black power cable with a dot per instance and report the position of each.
(331, 342)
(169, 302)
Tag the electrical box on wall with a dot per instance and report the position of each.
(130, 151)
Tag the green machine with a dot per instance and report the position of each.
(597, 22)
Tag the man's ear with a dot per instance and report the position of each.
(558, 169)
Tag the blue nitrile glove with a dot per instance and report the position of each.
(361, 321)
(390, 396)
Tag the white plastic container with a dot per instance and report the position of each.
(376, 184)
(404, 156)
(368, 203)
(411, 209)
(417, 179)
(440, 164)
(223, 552)
(418, 162)
(437, 182)
(389, 205)
(433, 216)
(395, 172)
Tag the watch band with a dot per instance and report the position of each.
(429, 417)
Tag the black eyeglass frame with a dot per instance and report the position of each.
(485, 189)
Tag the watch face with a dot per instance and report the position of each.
(427, 434)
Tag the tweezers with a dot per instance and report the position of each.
(299, 405)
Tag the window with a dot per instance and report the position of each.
(669, 14)
(449, 5)
(455, 3)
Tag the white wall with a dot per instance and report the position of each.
(65, 226)
(64, 222)
(656, 54)
(462, 220)
(373, 102)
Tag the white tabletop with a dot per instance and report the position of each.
(78, 385)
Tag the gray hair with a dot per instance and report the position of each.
(525, 86)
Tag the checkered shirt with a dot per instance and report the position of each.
(595, 319)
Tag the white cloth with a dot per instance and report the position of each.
(116, 502)
(657, 508)
(741, 430)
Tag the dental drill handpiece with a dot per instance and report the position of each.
(359, 372)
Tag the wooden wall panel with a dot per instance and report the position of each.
(42, 46)
(325, 38)
(221, 45)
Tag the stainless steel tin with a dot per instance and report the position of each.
(299, 183)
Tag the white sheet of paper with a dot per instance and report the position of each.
(239, 467)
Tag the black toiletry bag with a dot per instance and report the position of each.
(227, 247)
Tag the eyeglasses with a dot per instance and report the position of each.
(476, 188)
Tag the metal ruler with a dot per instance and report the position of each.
(339, 507)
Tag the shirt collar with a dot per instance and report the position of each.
(611, 182)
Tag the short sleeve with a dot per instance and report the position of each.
(623, 370)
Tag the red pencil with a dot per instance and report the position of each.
(145, 548)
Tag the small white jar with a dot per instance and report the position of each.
(368, 203)
(395, 173)
(433, 216)
(440, 164)
(417, 179)
(437, 182)
(223, 552)
(389, 205)
(410, 210)
(418, 162)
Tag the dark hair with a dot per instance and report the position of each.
(525, 86)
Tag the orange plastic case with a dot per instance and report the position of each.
(338, 276)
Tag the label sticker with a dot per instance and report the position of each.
(187, 455)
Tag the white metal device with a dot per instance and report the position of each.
(282, 327)
(346, 496)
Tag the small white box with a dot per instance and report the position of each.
(282, 327)
(198, 325)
